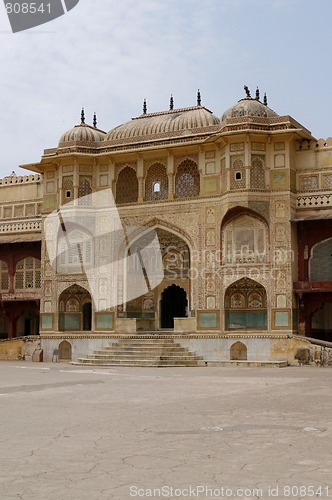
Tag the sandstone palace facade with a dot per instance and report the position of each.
(241, 204)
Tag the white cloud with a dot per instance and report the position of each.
(108, 56)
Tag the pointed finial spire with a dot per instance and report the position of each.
(247, 91)
(257, 94)
(171, 102)
(145, 108)
(265, 99)
(199, 100)
(94, 120)
(82, 116)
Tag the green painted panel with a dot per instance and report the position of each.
(104, 321)
(70, 321)
(207, 320)
(246, 319)
(47, 321)
(281, 318)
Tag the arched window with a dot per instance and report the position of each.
(156, 183)
(4, 281)
(187, 180)
(238, 173)
(27, 274)
(67, 189)
(320, 262)
(85, 191)
(78, 256)
(257, 173)
(127, 186)
(244, 240)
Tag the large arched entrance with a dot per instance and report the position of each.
(157, 308)
(173, 304)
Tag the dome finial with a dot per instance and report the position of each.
(145, 108)
(94, 120)
(199, 100)
(82, 116)
(257, 94)
(265, 99)
(247, 91)
(171, 102)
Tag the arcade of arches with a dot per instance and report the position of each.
(314, 288)
(20, 289)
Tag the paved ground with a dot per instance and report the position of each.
(90, 434)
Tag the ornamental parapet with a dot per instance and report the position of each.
(33, 224)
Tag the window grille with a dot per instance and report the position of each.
(156, 183)
(238, 174)
(187, 180)
(85, 191)
(4, 277)
(127, 186)
(67, 190)
(257, 174)
(28, 274)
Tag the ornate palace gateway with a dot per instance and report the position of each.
(240, 206)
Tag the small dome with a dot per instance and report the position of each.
(248, 107)
(168, 122)
(82, 133)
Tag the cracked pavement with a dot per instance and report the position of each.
(73, 433)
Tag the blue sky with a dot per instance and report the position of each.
(108, 56)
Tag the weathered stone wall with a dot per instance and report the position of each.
(19, 349)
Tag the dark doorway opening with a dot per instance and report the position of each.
(321, 323)
(173, 304)
(87, 317)
(27, 327)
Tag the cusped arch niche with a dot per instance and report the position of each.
(245, 305)
(65, 351)
(239, 351)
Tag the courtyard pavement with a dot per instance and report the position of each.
(81, 433)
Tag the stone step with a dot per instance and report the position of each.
(135, 362)
(244, 363)
(135, 350)
(146, 342)
(142, 352)
(116, 356)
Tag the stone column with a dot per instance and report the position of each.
(170, 175)
(140, 177)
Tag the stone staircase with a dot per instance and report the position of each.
(157, 352)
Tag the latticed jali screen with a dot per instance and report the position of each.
(28, 274)
(127, 186)
(257, 174)
(187, 180)
(85, 191)
(156, 183)
(67, 190)
(4, 279)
